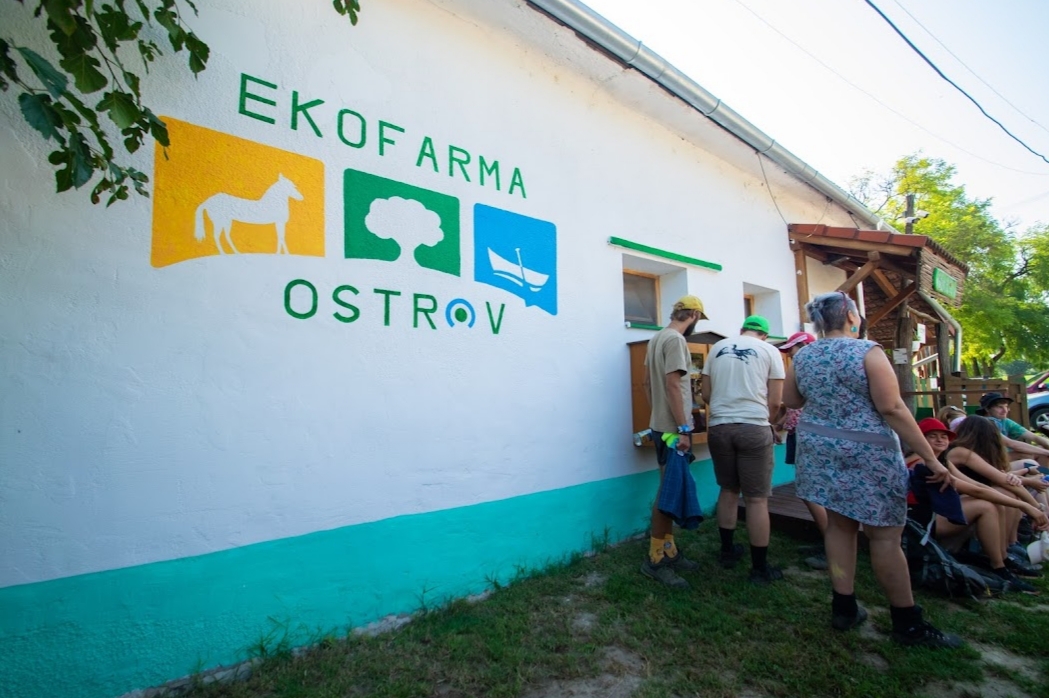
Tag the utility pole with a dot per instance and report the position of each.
(910, 214)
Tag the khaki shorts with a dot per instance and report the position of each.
(742, 455)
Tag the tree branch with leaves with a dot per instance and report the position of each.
(90, 38)
(1003, 311)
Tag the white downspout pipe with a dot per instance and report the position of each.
(595, 28)
(956, 364)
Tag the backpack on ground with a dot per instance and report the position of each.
(933, 568)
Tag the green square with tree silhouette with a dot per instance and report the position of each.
(393, 221)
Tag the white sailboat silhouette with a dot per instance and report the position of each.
(516, 272)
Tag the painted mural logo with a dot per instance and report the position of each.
(390, 220)
(220, 195)
(517, 254)
(216, 194)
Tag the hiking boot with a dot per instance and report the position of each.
(662, 572)
(1021, 568)
(817, 562)
(765, 576)
(1025, 533)
(839, 622)
(1014, 583)
(728, 559)
(925, 635)
(680, 563)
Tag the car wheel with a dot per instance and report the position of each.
(1040, 419)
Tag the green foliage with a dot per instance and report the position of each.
(348, 7)
(93, 40)
(1003, 312)
(90, 39)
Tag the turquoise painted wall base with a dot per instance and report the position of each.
(107, 633)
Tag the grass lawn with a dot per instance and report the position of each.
(596, 627)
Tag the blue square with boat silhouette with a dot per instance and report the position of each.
(517, 254)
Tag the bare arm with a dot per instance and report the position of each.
(974, 489)
(677, 405)
(775, 397)
(705, 389)
(1024, 447)
(885, 393)
(792, 396)
(963, 456)
(1033, 438)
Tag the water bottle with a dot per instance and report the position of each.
(639, 437)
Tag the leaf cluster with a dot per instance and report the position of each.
(91, 39)
(348, 7)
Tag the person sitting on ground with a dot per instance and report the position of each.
(951, 414)
(980, 505)
(1023, 444)
(978, 453)
(1024, 468)
(787, 421)
(849, 461)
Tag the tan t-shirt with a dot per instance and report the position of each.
(740, 369)
(668, 352)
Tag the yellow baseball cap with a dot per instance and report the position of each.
(691, 303)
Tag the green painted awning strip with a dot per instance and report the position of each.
(656, 252)
(643, 326)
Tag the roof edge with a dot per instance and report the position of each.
(621, 46)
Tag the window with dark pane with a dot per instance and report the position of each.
(641, 298)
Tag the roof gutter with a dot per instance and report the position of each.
(598, 30)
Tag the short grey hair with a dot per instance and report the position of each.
(829, 311)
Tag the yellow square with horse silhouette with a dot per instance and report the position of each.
(216, 194)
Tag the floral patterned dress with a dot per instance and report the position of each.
(849, 459)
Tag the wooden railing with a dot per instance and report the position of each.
(966, 392)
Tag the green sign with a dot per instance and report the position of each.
(943, 283)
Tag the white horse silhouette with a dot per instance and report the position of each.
(224, 209)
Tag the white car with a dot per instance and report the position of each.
(1038, 409)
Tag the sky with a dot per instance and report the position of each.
(834, 84)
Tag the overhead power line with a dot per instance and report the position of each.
(873, 97)
(953, 84)
(974, 73)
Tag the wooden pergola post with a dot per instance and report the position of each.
(905, 370)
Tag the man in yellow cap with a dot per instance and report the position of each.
(669, 391)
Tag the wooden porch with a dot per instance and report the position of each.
(784, 503)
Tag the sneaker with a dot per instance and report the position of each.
(1014, 583)
(849, 622)
(729, 559)
(662, 572)
(1021, 568)
(680, 563)
(925, 635)
(817, 562)
(765, 576)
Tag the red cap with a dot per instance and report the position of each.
(802, 338)
(930, 424)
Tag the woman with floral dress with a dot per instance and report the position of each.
(850, 462)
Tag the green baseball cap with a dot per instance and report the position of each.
(756, 323)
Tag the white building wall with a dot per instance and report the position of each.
(152, 413)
